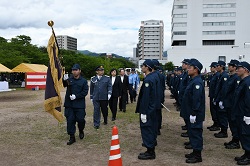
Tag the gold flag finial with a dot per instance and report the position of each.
(51, 23)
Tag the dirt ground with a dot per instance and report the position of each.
(30, 136)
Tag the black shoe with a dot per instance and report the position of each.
(72, 140)
(184, 127)
(158, 132)
(188, 146)
(228, 143)
(190, 155)
(113, 119)
(134, 100)
(221, 135)
(105, 123)
(240, 158)
(121, 110)
(124, 110)
(81, 135)
(96, 127)
(147, 156)
(194, 159)
(184, 134)
(215, 128)
(234, 145)
(209, 127)
(245, 161)
(187, 143)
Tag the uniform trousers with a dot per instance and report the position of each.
(74, 115)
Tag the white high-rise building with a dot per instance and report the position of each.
(210, 30)
(151, 40)
(67, 42)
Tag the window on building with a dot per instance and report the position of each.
(180, 6)
(180, 24)
(180, 33)
(227, 23)
(217, 42)
(229, 32)
(227, 14)
(179, 43)
(222, 58)
(224, 5)
(180, 15)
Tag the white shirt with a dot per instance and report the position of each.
(122, 77)
(113, 80)
(99, 77)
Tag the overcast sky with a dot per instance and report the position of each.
(99, 25)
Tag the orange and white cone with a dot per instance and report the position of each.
(115, 158)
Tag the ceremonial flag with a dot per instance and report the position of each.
(54, 84)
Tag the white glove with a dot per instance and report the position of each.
(109, 96)
(91, 100)
(143, 118)
(221, 105)
(72, 97)
(247, 120)
(133, 87)
(65, 77)
(192, 119)
(214, 102)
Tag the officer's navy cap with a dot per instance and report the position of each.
(156, 62)
(185, 61)
(179, 68)
(99, 68)
(127, 70)
(221, 63)
(148, 63)
(233, 62)
(244, 65)
(196, 64)
(160, 68)
(213, 64)
(76, 67)
(133, 69)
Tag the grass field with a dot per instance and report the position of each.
(30, 136)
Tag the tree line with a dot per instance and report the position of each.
(20, 50)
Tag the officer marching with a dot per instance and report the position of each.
(77, 89)
(100, 93)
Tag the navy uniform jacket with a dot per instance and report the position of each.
(146, 103)
(158, 89)
(212, 84)
(78, 87)
(229, 89)
(100, 89)
(162, 84)
(221, 82)
(194, 99)
(241, 104)
(184, 79)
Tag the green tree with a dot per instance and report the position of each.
(169, 66)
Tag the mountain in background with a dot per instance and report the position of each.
(87, 52)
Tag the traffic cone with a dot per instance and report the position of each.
(115, 158)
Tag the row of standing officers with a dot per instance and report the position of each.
(229, 106)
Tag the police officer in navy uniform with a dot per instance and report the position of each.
(228, 98)
(212, 86)
(160, 86)
(241, 111)
(77, 89)
(146, 107)
(100, 93)
(184, 79)
(194, 104)
(218, 98)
